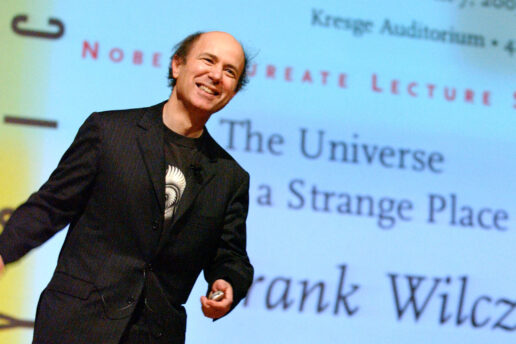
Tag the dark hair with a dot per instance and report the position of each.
(182, 49)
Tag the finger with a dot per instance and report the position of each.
(228, 296)
(206, 308)
(210, 312)
(220, 284)
(213, 304)
(205, 302)
(221, 307)
(214, 314)
(229, 293)
(224, 286)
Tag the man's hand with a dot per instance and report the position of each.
(216, 309)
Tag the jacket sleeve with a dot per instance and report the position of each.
(231, 262)
(59, 200)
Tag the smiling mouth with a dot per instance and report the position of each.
(208, 90)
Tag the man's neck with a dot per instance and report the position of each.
(178, 119)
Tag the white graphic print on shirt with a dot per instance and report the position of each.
(175, 184)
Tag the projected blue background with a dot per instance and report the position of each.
(379, 136)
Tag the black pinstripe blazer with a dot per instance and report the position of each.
(110, 188)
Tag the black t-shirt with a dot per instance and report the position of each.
(181, 153)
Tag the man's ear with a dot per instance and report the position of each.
(177, 62)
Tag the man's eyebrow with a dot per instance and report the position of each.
(214, 57)
(210, 55)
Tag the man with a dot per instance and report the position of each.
(151, 200)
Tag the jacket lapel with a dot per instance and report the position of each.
(150, 142)
(199, 176)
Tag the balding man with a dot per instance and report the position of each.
(152, 200)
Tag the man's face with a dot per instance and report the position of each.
(207, 80)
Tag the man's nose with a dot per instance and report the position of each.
(216, 74)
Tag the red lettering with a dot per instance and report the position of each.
(137, 57)
(431, 88)
(514, 95)
(342, 80)
(324, 75)
(86, 48)
(468, 95)
(307, 77)
(410, 89)
(375, 85)
(288, 74)
(394, 86)
(450, 97)
(485, 98)
(271, 70)
(156, 60)
(116, 55)
(252, 72)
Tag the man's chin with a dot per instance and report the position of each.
(203, 112)
(209, 108)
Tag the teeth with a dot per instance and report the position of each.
(206, 89)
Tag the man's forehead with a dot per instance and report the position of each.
(220, 44)
(219, 37)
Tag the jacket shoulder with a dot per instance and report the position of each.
(127, 115)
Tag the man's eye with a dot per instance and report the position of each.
(207, 59)
(231, 72)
